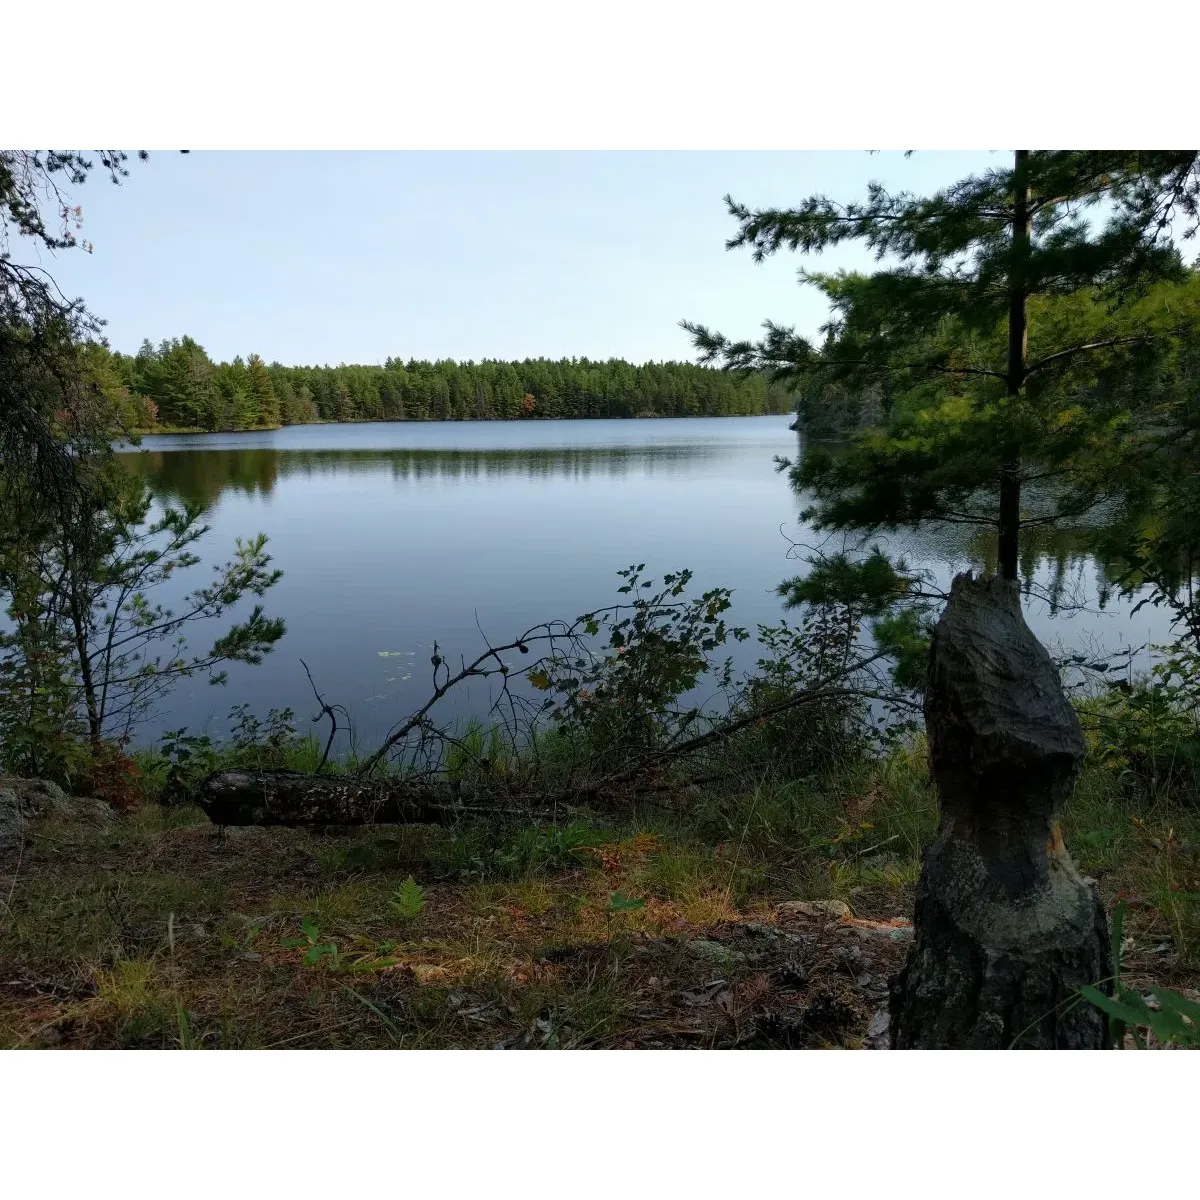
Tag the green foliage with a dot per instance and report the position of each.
(266, 745)
(875, 588)
(547, 848)
(185, 760)
(865, 588)
(260, 389)
(174, 768)
(188, 390)
(479, 754)
(1174, 1022)
(1063, 250)
(905, 636)
(187, 1039)
(807, 739)
(408, 900)
(1091, 433)
(623, 700)
(42, 733)
(1148, 730)
(91, 648)
(531, 849)
(53, 402)
(31, 202)
(619, 904)
(316, 951)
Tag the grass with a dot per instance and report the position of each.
(1145, 850)
(163, 931)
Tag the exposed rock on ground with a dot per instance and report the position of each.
(26, 801)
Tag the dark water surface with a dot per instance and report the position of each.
(392, 535)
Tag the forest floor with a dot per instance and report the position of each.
(162, 931)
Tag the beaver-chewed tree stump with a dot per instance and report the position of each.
(1006, 928)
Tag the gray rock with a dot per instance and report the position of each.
(775, 934)
(832, 910)
(878, 1035)
(887, 933)
(715, 952)
(25, 801)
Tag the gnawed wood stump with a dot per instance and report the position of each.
(293, 798)
(1005, 927)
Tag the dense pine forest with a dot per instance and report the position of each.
(177, 386)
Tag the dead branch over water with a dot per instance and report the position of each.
(613, 760)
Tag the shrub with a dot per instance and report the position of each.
(1148, 730)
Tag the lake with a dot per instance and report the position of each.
(392, 535)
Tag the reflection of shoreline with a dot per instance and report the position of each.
(1059, 559)
(201, 476)
(201, 439)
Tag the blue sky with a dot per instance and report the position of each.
(352, 257)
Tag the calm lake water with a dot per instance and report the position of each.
(392, 535)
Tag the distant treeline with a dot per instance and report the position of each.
(176, 385)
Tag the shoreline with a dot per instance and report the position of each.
(172, 431)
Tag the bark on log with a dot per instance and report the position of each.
(1006, 929)
(293, 798)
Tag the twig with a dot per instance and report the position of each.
(877, 846)
(327, 710)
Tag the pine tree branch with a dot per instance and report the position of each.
(911, 366)
(1072, 350)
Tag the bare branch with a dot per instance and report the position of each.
(327, 710)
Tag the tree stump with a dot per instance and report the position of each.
(1005, 927)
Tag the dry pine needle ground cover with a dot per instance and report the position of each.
(161, 931)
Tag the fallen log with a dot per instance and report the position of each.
(293, 798)
(1006, 929)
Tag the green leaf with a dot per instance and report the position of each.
(1129, 1007)
(1168, 1026)
(619, 903)
(1181, 1007)
(539, 680)
(408, 899)
(1117, 936)
(372, 964)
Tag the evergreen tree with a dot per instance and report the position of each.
(1012, 294)
(306, 408)
(343, 403)
(262, 393)
(1024, 307)
(285, 395)
(180, 380)
(189, 391)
